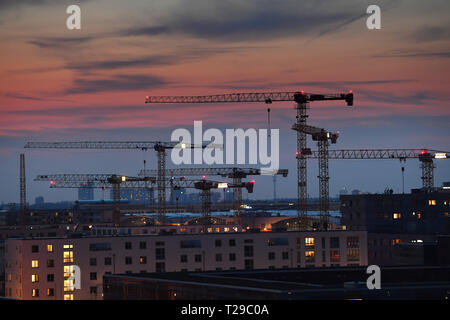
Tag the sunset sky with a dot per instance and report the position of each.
(90, 84)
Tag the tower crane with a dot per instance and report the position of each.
(425, 156)
(117, 181)
(237, 174)
(158, 146)
(301, 98)
(322, 137)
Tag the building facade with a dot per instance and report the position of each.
(72, 268)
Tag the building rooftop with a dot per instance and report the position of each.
(322, 283)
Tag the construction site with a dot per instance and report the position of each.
(383, 229)
(154, 185)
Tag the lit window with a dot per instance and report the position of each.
(68, 256)
(51, 292)
(226, 229)
(446, 214)
(35, 292)
(309, 242)
(68, 271)
(352, 254)
(34, 278)
(35, 263)
(431, 202)
(69, 285)
(68, 246)
(396, 241)
(309, 256)
(68, 297)
(49, 248)
(397, 215)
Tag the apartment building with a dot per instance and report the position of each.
(72, 268)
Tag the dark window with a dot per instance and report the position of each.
(108, 261)
(232, 242)
(271, 255)
(232, 256)
(93, 261)
(34, 249)
(334, 242)
(248, 251)
(160, 267)
(285, 255)
(218, 243)
(93, 290)
(93, 276)
(218, 257)
(248, 264)
(50, 263)
(160, 254)
(278, 242)
(128, 260)
(102, 246)
(142, 245)
(50, 277)
(183, 258)
(190, 244)
(198, 258)
(323, 243)
(128, 245)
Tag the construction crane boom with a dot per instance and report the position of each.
(222, 171)
(139, 145)
(425, 156)
(380, 154)
(267, 97)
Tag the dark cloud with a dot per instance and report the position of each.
(60, 42)
(18, 95)
(431, 33)
(124, 63)
(241, 21)
(411, 53)
(6, 4)
(115, 83)
(145, 31)
(246, 84)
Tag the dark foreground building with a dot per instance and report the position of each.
(397, 283)
(402, 229)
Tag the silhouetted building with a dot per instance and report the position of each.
(402, 229)
(86, 192)
(39, 201)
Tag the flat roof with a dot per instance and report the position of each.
(292, 280)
